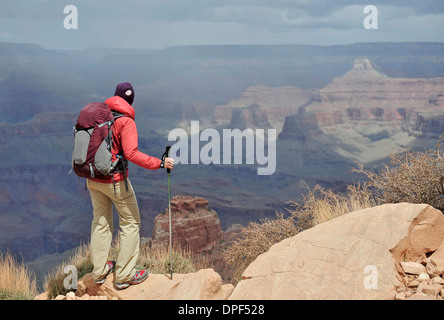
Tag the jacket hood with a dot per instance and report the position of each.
(120, 105)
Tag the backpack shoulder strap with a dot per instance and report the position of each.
(117, 114)
(120, 166)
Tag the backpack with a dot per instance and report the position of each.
(93, 135)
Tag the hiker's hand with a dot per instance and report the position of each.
(169, 162)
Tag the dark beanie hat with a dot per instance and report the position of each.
(125, 90)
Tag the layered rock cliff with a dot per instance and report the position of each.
(273, 105)
(364, 116)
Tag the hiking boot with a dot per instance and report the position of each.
(139, 277)
(111, 265)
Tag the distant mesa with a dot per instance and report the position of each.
(362, 68)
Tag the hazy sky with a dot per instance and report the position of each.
(152, 24)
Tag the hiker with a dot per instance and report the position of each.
(117, 190)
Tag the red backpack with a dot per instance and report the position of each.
(91, 156)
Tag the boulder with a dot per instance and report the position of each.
(413, 267)
(354, 256)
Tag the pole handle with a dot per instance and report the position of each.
(166, 154)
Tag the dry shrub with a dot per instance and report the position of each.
(157, 259)
(16, 282)
(413, 177)
(255, 239)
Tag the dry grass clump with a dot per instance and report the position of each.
(320, 205)
(16, 282)
(55, 279)
(414, 177)
(157, 260)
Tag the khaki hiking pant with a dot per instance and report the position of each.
(103, 198)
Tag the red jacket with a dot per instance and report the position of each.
(125, 139)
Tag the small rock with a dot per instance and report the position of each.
(435, 266)
(60, 297)
(421, 285)
(438, 280)
(86, 297)
(413, 284)
(70, 295)
(423, 276)
(400, 296)
(413, 268)
(420, 296)
(42, 296)
(432, 289)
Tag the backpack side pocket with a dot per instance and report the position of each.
(81, 143)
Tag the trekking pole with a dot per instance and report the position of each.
(166, 155)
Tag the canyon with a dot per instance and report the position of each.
(330, 106)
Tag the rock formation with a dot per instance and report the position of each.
(251, 117)
(361, 116)
(194, 225)
(365, 88)
(274, 104)
(360, 255)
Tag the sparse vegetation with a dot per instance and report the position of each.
(157, 260)
(320, 205)
(16, 282)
